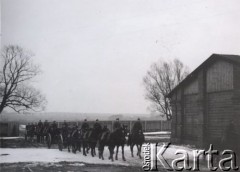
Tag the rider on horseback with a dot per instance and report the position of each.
(54, 124)
(97, 126)
(137, 127)
(74, 130)
(54, 128)
(136, 137)
(45, 126)
(39, 131)
(32, 128)
(65, 124)
(28, 127)
(40, 124)
(105, 129)
(65, 130)
(85, 126)
(116, 125)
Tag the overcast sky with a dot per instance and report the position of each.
(94, 54)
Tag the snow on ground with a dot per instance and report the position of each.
(156, 137)
(158, 133)
(10, 138)
(10, 155)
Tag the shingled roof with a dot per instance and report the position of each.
(230, 58)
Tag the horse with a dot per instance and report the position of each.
(136, 138)
(45, 133)
(67, 138)
(93, 139)
(103, 141)
(116, 139)
(30, 131)
(40, 134)
(85, 143)
(76, 140)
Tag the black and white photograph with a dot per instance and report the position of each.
(119, 86)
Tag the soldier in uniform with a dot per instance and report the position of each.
(39, 130)
(65, 130)
(105, 129)
(54, 128)
(65, 124)
(46, 124)
(137, 126)
(54, 125)
(28, 126)
(40, 124)
(116, 125)
(97, 126)
(85, 126)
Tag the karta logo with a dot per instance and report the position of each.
(154, 157)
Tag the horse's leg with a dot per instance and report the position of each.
(95, 151)
(75, 146)
(68, 146)
(38, 139)
(92, 149)
(137, 149)
(123, 157)
(102, 152)
(116, 156)
(80, 145)
(42, 138)
(88, 147)
(140, 150)
(111, 149)
(84, 149)
(131, 148)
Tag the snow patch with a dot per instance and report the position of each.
(10, 138)
(158, 133)
(77, 164)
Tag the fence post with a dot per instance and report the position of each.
(130, 129)
(112, 126)
(145, 125)
(161, 125)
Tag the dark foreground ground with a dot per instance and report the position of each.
(65, 167)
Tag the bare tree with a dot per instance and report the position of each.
(17, 70)
(160, 80)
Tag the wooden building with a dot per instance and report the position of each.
(9, 129)
(206, 101)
